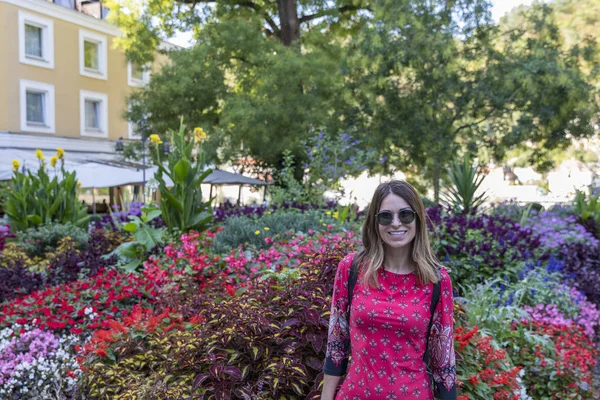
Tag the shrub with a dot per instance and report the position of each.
(582, 266)
(466, 178)
(252, 232)
(266, 342)
(556, 230)
(80, 306)
(484, 371)
(478, 248)
(563, 372)
(508, 210)
(36, 365)
(181, 204)
(16, 279)
(4, 234)
(38, 241)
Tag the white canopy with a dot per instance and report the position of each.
(100, 170)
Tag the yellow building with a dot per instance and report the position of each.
(61, 75)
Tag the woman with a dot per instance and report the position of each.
(387, 329)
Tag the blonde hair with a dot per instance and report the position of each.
(371, 258)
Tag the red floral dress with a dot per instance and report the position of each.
(388, 331)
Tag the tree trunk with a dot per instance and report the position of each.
(289, 22)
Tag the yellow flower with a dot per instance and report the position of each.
(328, 212)
(53, 161)
(266, 228)
(78, 184)
(336, 215)
(16, 165)
(257, 232)
(154, 138)
(199, 135)
(40, 155)
(60, 153)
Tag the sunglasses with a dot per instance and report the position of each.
(406, 216)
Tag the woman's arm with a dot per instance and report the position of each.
(338, 338)
(330, 384)
(441, 343)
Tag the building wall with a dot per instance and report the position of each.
(65, 76)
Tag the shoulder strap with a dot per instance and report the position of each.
(352, 278)
(435, 298)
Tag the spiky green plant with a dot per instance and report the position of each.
(466, 178)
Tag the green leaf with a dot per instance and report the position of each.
(130, 227)
(152, 215)
(132, 266)
(35, 219)
(182, 169)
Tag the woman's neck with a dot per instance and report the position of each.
(398, 260)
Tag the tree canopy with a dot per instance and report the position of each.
(415, 81)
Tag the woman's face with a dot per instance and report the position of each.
(397, 234)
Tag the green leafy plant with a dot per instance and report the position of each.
(289, 189)
(253, 232)
(466, 179)
(132, 254)
(37, 199)
(45, 239)
(181, 204)
(587, 207)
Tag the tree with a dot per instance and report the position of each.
(262, 78)
(434, 78)
(415, 81)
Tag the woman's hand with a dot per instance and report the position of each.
(330, 384)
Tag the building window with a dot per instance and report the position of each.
(138, 75)
(92, 55)
(36, 40)
(37, 107)
(35, 104)
(94, 114)
(66, 3)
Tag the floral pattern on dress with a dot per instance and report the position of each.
(388, 330)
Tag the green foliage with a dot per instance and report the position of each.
(37, 199)
(146, 239)
(289, 189)
(181, 204)
(253, 231)
(466, 179)
(332, 158)
(5, 188)
(45, 239)
(587, 207)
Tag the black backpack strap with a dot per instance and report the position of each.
(435, 299)
(352, 278)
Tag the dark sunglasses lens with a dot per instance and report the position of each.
(406, 216)
(385, 218)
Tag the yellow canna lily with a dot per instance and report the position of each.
(199, 135)
(40, 155)
(60, 153)
(154, 138)
(53, 161)
(257, 232)
(16, 164)
(266, 228)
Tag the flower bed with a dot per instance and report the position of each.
(253, 321)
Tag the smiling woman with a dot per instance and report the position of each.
(392, 309)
